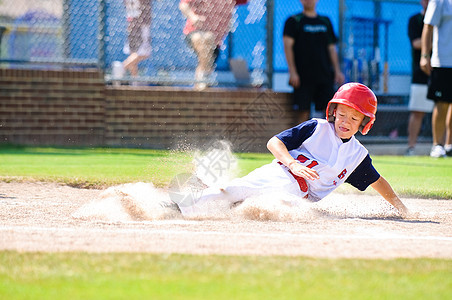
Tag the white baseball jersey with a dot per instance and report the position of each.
(315, 145)
(330, 157)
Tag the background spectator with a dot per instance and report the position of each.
(311, 55)
(138, 45)
(419, 104)
(208, 22)
(437, 38)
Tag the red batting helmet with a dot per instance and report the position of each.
(359, 97)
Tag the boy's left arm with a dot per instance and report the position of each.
(383, 187)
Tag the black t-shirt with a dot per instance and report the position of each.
(312, 37)
(415, 26)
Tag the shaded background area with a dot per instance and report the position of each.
(372, 33)
(85, 36)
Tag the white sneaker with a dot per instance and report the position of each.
(438, 151)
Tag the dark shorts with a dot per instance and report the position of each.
(440, 85)
(138, 39)
(135, 36)
(318, 93)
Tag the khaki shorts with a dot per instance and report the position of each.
(418, 99)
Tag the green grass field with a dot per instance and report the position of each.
(152, 276)
(419, 176)
(148, 276)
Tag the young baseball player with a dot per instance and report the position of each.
(313, 158)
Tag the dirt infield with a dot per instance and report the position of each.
(40, 217)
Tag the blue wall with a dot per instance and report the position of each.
(171, 51)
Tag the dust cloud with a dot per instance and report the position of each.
(143, 201)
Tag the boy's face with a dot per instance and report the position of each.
(347, 121)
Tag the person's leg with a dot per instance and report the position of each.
(131, 63)
(204, 45)
(438, 129)
(270, 178)
(322, 93)
(439, 122)
(448, 141)
(414, 127)
(302, 103)
(436, 92)
(140, 47)
(208, 202)
(418, 106)
(447, 94)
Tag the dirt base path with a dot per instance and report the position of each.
(38, 217)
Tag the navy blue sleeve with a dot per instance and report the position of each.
(364, 175)
(295, 136)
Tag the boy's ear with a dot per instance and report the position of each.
(334, 113)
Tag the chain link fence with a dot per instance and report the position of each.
(374, 45)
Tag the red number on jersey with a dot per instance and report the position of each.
(342, 174)
(301, 158)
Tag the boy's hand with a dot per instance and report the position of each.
(403, 210)
(298, 169)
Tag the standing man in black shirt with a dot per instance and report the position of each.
(312, 59)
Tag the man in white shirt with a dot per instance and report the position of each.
(437, 39)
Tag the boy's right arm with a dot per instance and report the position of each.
(280, 152)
